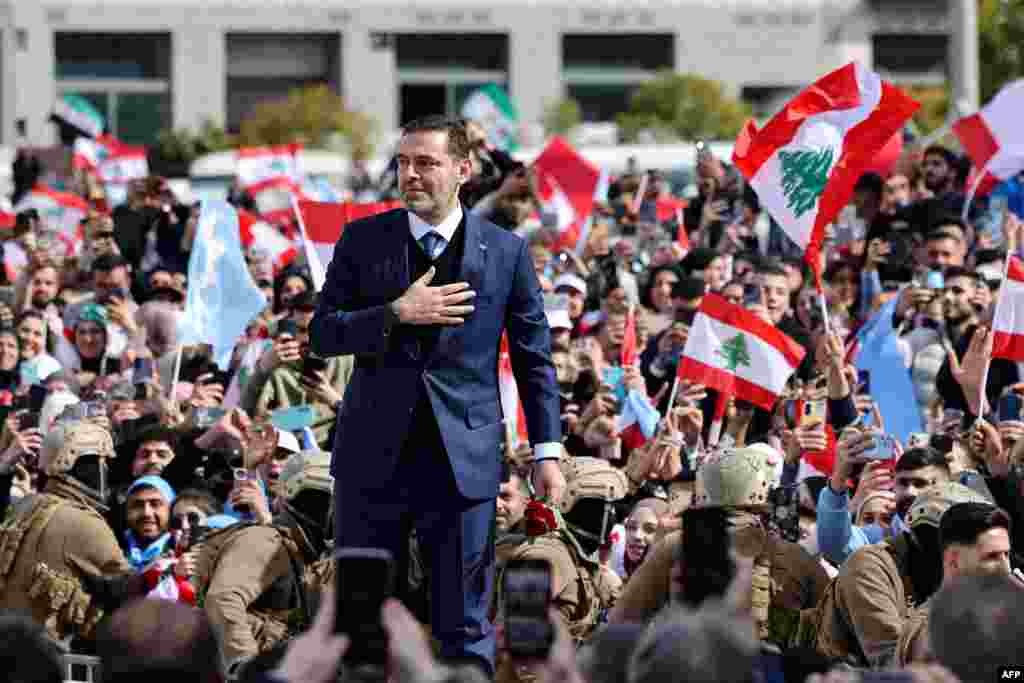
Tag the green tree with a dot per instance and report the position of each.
(804, 176)
(735, 353)
(934, 109)
(176, 149)
(1000, 44)
(314, 116)
(691, 107)
(562, 116)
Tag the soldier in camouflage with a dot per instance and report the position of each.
(255, 580)
(59, 560)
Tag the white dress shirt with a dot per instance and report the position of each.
(446, 229)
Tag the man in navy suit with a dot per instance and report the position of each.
(421, 297)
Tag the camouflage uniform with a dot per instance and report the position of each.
(582, 588)
(50, 542)
(786, 579)
(253, 579)
(871, 603)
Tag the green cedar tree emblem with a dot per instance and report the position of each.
(735, 353)
(804, 175)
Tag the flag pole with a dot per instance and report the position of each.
(716, 425)
(638, 200)
(988, 359)
(177, 370)
(974, 189)
(824, 311)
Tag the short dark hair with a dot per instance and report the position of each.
(459, 145)
(107, 262)
(974, 627)
(983, 256)
(689, 288)
(771, 267)
(28, 654)
(949, 155)
(958, 271)
(962, 523)
(202, 499)
(870, 182)
(24, 218)
(916, 458)
(939, 229)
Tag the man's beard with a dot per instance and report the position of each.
(957, 318)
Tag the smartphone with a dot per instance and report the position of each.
(919, 440)
(312, 364)
(287, 326)
(204, 418)
(884, 448)
(526, 595)
(864, 382)
(813, 413)
(1010, 405)
(751, 294)
(934, 280)
(28, 420)
(36, 397)
(364, 579)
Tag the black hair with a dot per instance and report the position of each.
(24, 218)
(957, 271)
(916, 458)
(983, 256)
(962, 523)
(689, 288)
(708, 567)
(937, 229)
(645, 295)
(870, 182)
(949, 155)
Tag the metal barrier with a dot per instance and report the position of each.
(81, 669)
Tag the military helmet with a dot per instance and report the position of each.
(66, 443)
(929, 506)
(591, 478)
(308, 470)
(738, 477)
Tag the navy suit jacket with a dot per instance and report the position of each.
(370, 269)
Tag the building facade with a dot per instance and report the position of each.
(153, 64)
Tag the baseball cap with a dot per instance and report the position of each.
(572, 282)
(559, 319)
(286, 441)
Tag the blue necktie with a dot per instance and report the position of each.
(432, 244)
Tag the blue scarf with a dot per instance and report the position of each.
(140, 558)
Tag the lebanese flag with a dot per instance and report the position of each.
(682, 237)
(511, 405)
(89, 153)
(123, 164)
(667, 206)
(993, 137)
(60, 211)
(628, 352)
(259, 233)
(256, 165)
(737, 354)
(324, 222)
(805, 161)
(568, 185)
(1008, 321)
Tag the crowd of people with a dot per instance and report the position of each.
(141, 486)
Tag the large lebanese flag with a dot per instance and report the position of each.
(258, 165)
(61, 211)
(737, 354)
(262, 235)
(807, 158)
(324, 222)
(568, 185)
(993, 137)
(1008, 321)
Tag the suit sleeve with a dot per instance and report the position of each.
(529, 343)
(340, 326)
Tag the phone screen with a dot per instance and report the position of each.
(1009, 406)
(36, 396)
(751, 294)
(365, 578)
(814, 413)
(864, 382)
(526, 594)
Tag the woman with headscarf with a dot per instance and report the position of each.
(36, 363)
(87, 353)
(631, 540)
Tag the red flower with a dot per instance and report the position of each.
(539, 519)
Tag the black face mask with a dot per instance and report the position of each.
(91, 471)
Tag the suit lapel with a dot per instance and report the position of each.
(391, 270)
(471, 269)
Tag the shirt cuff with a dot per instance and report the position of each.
(551, 450)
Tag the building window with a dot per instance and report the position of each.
(266, 67)
(601, 71)
(437, 72)
(126, 76)
(911, 58)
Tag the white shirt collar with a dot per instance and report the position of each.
(446, 229)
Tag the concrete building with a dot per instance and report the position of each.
(152, 64)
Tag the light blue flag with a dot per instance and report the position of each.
(222, 297)
(891, 387)
(638, 409)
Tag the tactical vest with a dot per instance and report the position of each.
(280, 612)
(69, 608)
(827, 627)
